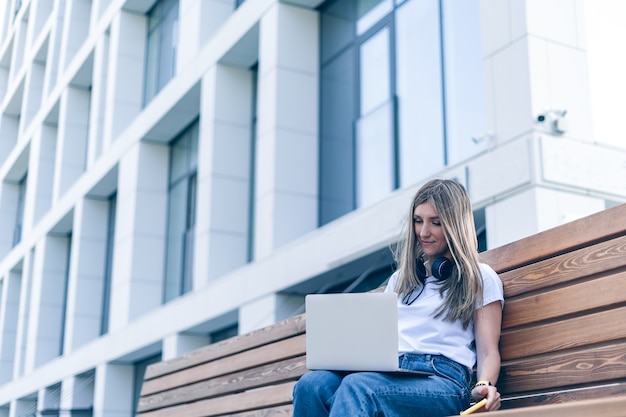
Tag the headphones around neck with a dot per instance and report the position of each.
(441, 268)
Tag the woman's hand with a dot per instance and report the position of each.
(491, 393)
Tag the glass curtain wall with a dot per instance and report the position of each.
(401, 95)
(181, 213)
(162, 47)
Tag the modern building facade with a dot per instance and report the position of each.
(175, 172)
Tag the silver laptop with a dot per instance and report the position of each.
(353, 332)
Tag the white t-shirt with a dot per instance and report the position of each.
(420, 332)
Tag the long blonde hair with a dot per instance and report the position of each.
(463, 289)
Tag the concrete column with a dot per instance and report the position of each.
(267, 310)
(72, 139)
(46, 323)
(88, 260)
(536, 69)
(126, 73)
(23, 407)
(32, 92)
(224, 177)
(179, 344)
(113, 391)
(41, 176)
(23, 314)
(77, 392)
(9, 309)
(286, 172)
(8, 215)
(535, 61)
(138, 264)
(198, 21)
(535, 210)
(78, 14)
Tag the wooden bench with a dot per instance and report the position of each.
(563, 338)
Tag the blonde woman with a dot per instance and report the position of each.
(449, 318)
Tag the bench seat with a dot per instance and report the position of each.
(563, 341)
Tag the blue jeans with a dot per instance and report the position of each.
(369, 394)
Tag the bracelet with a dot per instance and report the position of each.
(483, 382)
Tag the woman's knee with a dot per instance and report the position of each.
(360, 382)
(317, 381)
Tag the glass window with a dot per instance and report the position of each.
(419, 90)
(375, 128)
(162, 46)
(181, 214)
(19, 219)
(357, 143)
(464, 80)
(108, 271)
(402, 94)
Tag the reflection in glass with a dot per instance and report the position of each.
(374, 150)
(419, 91)
(375, 81)
(463, 72)
(181, 214)
(370, 12)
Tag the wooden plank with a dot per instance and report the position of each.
(567, 301)
(605, 407)
(602, 327)
(603, 225)
(274, 352)
(282, 411)
(559, 397)
(588, 261)
(267, 397)
(592, 366)
(269, 374)
(281, 330)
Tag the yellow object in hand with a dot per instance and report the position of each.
(475, 407)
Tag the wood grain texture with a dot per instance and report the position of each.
(262, 355)
(578, 368)
(267, 397)
(602, 407)
(603, 293)
(571, 333)
(601, 258)
(274, 373)
(281, 330)
(600, 226)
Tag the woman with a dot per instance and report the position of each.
(449, 317)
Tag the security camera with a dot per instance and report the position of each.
(554, 120)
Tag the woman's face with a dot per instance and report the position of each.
(429, 231)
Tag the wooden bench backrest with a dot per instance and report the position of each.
(563, 334)
(564, 327)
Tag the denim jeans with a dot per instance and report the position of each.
(369, 394)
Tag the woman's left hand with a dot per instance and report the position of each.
(489, 392)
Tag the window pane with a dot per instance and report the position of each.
(175, 240)
(181, 214)
(370, 12)
(465, 88)
(374, 141)
(162, 46)
(179, 158)
(375, 81)
(419, 90)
